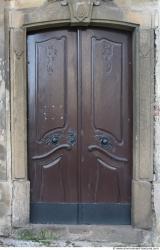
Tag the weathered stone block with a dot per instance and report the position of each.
(146, 83)
(142, 204)
(29, 3)
(18, 105)
(21, 203)
(139, 17)
(157, 204)
(2, 121)
(124, 234)
(5, 207)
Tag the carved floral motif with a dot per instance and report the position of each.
(51, 54)
(107, 52)
(80, 10)
(18, 54)
(56, 138)
(51, 139)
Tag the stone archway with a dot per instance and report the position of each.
(101, 13)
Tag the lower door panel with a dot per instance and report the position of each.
(63, 213)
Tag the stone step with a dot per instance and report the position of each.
(88, 234)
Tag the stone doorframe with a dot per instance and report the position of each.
(78, 13)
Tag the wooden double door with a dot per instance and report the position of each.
(80, 126)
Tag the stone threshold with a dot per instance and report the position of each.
(80, 235)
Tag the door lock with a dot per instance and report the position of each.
(72, 137)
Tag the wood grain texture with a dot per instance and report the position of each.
(106, 116)
(52, 91)
(80, 116)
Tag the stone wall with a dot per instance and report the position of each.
(156, 184)
(5, 173)
(6, 185)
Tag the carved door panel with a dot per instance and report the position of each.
(106, 140)
(52, 122)
(80, 126)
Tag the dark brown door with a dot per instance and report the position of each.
(80, 126)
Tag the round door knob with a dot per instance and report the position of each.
(104, 141)
(54, 140)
